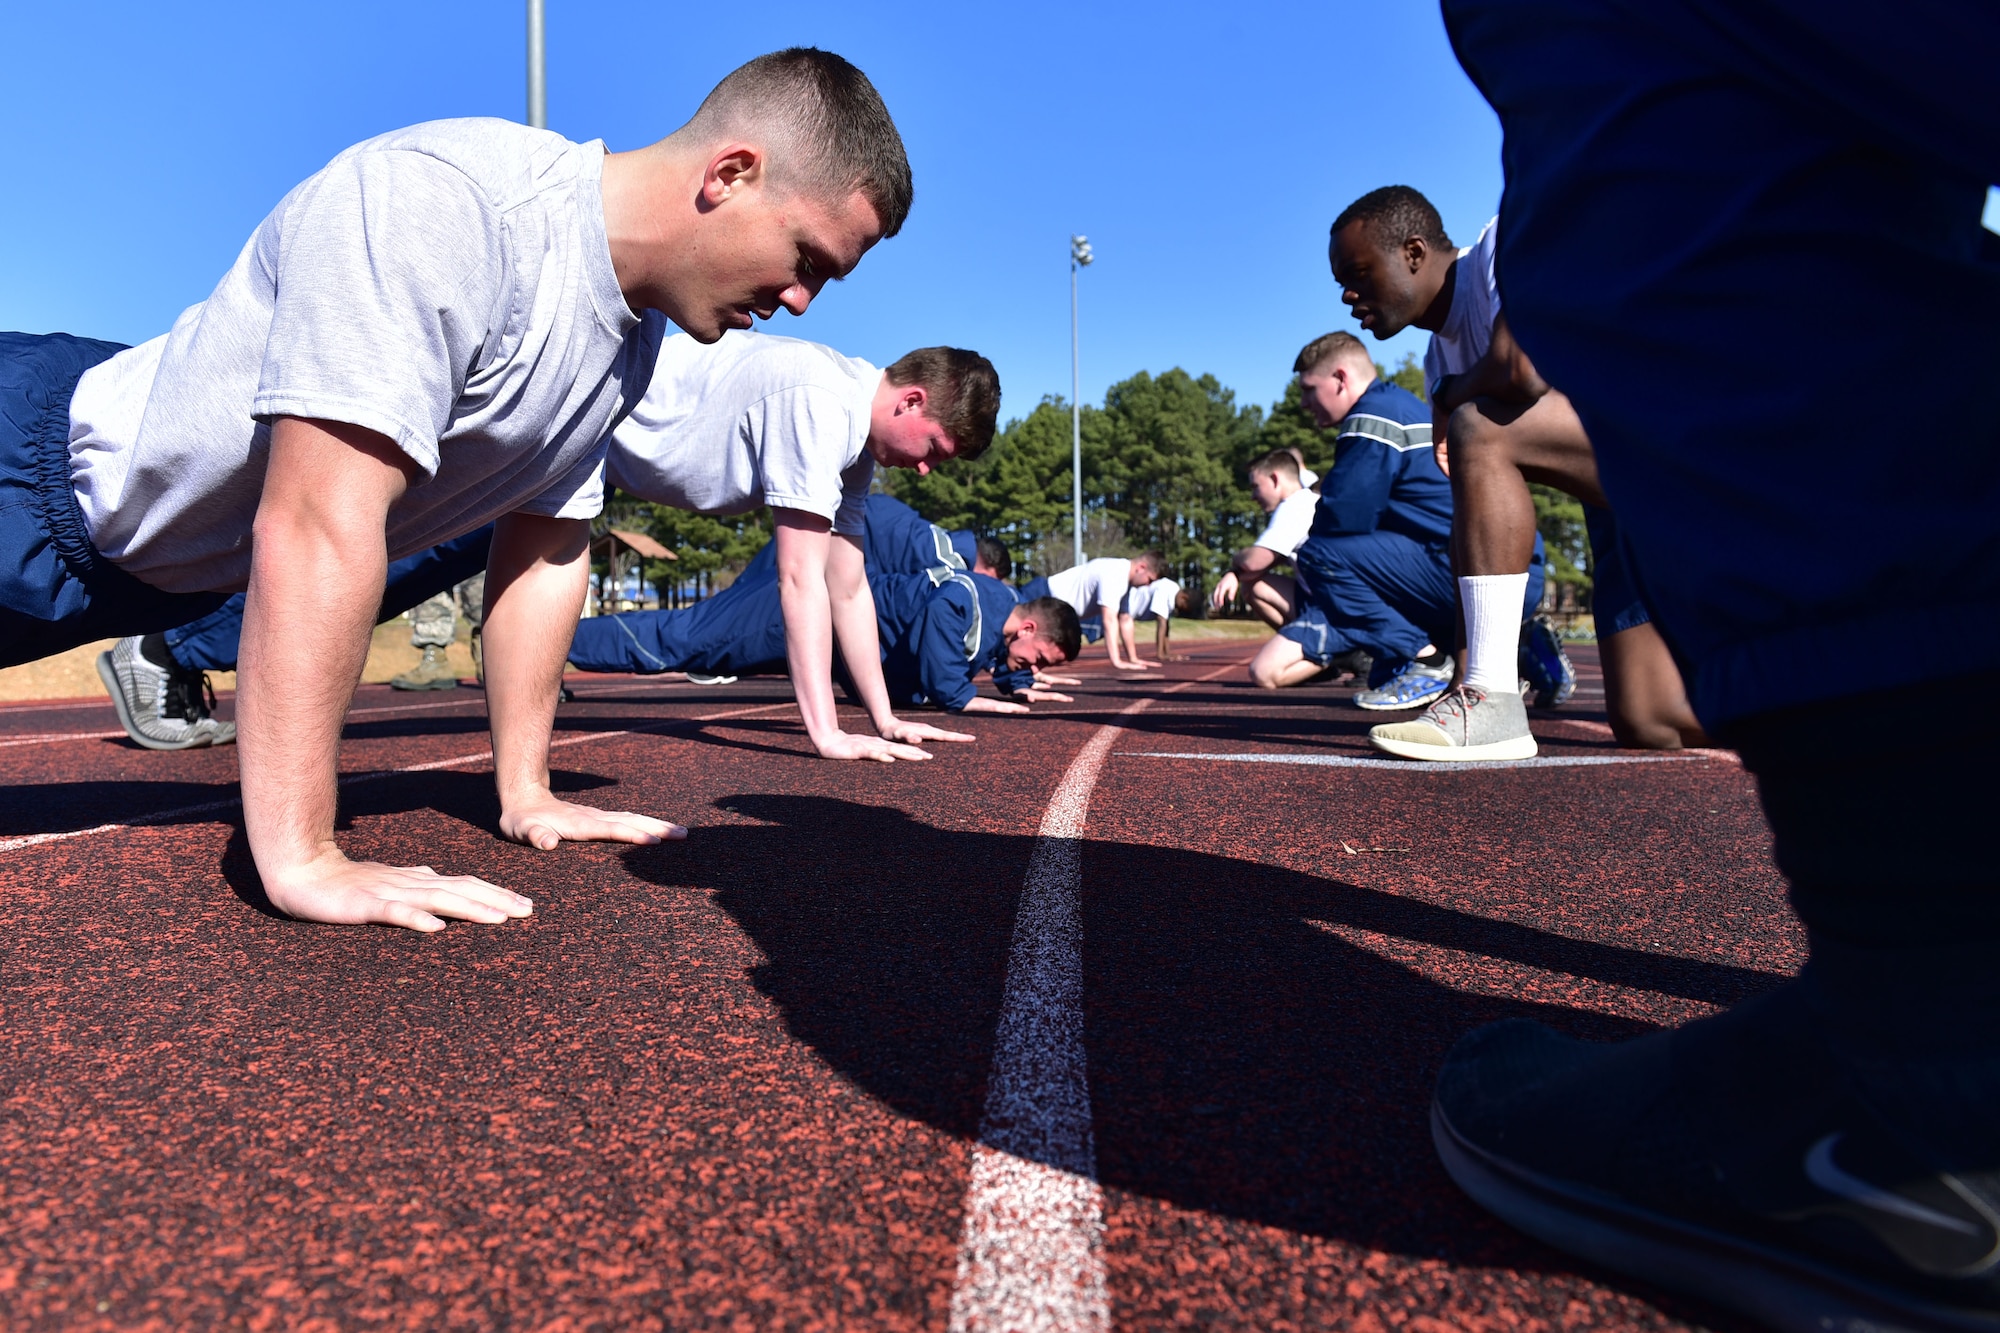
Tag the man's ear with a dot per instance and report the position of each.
(1415, 250)
(734, 167)
(1026, 625)
(911, 398)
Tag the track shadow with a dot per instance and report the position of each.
(58, 807)
(1243, 1061)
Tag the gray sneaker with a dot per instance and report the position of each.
(707, 678)
(1464, 724)
(161, 708)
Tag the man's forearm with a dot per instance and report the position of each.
(535, 585)
(809, 649)
(1108, 616)
(860, 641)
(293, 688)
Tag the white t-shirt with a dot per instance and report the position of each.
(1153, 601)
(1475, 304)
(1093, 585)
(1308, 478)
(1290, 524)
(448, 286)
(753, 419)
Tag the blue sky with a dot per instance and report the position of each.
(1203, 149)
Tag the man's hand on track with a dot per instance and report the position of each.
(911, 733)
(338, 891)
(847, 745)
(547, 821)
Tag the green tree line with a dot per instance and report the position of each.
(1164, 460)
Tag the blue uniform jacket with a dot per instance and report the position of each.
(898, 541)
(1384, 475)
(939, 630)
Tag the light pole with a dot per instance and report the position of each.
(538, 73)
(1079, 257)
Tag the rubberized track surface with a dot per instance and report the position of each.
(742, 1081)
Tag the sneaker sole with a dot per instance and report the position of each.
(1515, 747)
(108, 673)
(427, 685)
(1788, 1293)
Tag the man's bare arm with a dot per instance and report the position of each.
(535, 582)
(317, 566)
(803, 545)
(1503, 373)
(1163, 628)
(860, 642)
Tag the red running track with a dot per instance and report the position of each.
(741, 1081)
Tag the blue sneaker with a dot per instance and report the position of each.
(1412, 687)
(1545, 665)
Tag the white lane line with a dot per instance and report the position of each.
(1428, 766)
(52, 737)
(373, 775)
(1031, 1254)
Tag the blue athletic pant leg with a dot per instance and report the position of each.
(1538, 579)
(416, 578)
(1381, 591)
(737, 630)
(1615, 603)
(212, 642)
(1688, 171)
(56, 590)
(1037, 587)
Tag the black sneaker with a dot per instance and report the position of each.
(1745, 1159)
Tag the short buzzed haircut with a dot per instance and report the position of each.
(1277, 463)
(1392, 215)
(995, 557)
(830, 134)
(1153, 560)
(1056, 621)
(1339, 345)
(964, 392)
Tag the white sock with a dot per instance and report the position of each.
(1492, 605)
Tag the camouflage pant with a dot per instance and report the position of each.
(434, 623)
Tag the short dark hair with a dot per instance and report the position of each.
(964, 391)
(832, 133)
(995, 557)
(1392, 215)
(1340, 345)
(1056, 621)
(1277, 463)
(1157, 560)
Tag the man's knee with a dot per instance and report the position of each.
(1267, 668)
(1473, 438)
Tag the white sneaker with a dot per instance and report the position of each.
(161, 708)
(1464, 724)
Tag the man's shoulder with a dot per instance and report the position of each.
(508, 162)
(745, 367)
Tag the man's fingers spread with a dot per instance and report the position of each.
(402, 914)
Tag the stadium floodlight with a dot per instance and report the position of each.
(1079, 257)
(538, 72)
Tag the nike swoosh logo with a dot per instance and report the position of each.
(1825, 1173)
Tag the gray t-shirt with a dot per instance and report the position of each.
(751, 419)
(448, 286)
(1475, 304)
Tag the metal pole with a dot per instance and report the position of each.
(538, 73)
(1075, 417)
